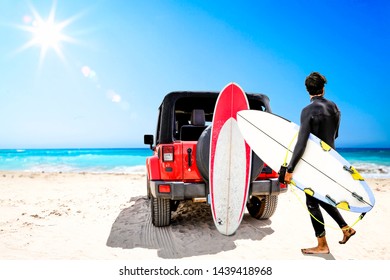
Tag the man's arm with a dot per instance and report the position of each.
(303, 135)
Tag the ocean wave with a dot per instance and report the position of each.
(372, 170)
(139, 169)
(369, 162)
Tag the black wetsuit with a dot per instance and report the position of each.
(321, 118)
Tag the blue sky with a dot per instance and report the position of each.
(99, 83)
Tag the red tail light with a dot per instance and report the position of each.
(164, 188)
(167, 153)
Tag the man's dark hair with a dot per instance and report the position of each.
(315, 83)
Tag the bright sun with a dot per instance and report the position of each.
(46, 34)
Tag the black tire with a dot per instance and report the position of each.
(148, 187)
(161, 211)
(262, 207)
(203, 157)
(203, 153)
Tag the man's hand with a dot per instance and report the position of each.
(288, 177)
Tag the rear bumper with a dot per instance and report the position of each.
(183, 191)
(267, 187)
(178, 190)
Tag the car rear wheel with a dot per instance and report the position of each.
(148, 187)
(161, 211)
(262, 207)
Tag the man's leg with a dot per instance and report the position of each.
(316, 217)
(318, 225)
(348, 232)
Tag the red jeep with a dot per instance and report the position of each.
(178, 169)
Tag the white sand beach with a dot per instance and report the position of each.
(84, 216)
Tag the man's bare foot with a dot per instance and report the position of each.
(348, 233)
(322, 247)
(315, 250)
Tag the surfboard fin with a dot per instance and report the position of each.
(309, 191)
(358, 197)
(325, 146)
(331, 200)
(343, 205)
(355, 174)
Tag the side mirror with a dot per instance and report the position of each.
(149, 140)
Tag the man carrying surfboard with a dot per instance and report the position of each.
(321, 118)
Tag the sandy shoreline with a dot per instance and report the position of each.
(84, 216)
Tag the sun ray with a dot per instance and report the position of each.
(47, 34)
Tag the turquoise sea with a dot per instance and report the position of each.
(75, 160)
(369, 162)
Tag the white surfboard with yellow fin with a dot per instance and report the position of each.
(321, 172)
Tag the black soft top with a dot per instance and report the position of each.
(177, 106)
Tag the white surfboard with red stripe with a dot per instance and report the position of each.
(230, 161)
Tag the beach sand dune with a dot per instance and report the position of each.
(106, 216)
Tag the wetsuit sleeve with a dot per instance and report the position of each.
(338, 122)
(303, 136)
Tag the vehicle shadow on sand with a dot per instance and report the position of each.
(192, 232)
